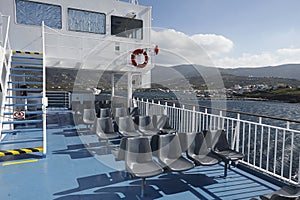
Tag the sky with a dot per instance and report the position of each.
(234, 33)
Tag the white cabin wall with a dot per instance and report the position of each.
(23, 37)
(73, 54)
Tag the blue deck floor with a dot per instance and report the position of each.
(79, 167)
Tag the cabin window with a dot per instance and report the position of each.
(86, 21)
(127, 27)
(33, 13)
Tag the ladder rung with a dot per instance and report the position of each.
(22, 122)
(24, 57)
(26, 63)
(25, 82)
(26, 69)
(24, 97)
(26, 89)
(26, 75)
(21, 130)
(23, 104)
(26, 112)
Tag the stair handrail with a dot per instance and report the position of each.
(6, 65)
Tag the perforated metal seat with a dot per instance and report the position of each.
(119, 152)
(139, 161)
(146, 126)
(134, 111)
(121, 112)
(287, 192)
(217, 141)
(104, 129)
(89, 116)
(127, 127)
(161, 122)
(198, 150)
(105, 112)
(170, 153)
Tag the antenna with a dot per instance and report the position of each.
(135, 2)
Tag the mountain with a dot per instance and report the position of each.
(291, 71)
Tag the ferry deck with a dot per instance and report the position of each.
(49, 152)
(78, 166)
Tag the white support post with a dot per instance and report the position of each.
(45, 100)
(237, 146)
(129, 89)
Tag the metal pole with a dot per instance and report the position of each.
(44, 93)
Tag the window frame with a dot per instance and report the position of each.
(117, 35)
(36, 25)
(80, 31)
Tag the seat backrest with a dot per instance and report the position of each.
(161, 121)
(145, 123)
(105, 112)
(197, 144)
(122, 149)
(104, 125)
(217, 140)
(121, 112)
(169, 147)
(126, 124)
(89, 114)
(138, 150)
(134, 111)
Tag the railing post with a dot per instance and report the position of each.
(45, 100)
(206, 124)
(194, 129)
(147, 107)
(288, 125)
(220, 125)
(166, 108)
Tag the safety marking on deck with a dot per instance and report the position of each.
(20, 151)
(19, 162)
(28, 52)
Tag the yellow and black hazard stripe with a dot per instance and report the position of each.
(20, 151)
(27, 52)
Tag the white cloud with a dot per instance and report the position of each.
(213, 44)
(277, 57)
(179, 48)
(211, 50)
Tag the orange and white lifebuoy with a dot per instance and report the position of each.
(138, 52)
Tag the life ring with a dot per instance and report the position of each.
(138, 52)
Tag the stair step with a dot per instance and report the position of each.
(26, 75)
(21, 130)
(27, 52)
(24, 97)
(26, 113)
(23, 104)
(25, 69)
(26, 89)
(20, 151)
(22, 122)
(26, 63)
(29, 58)
(25, 82)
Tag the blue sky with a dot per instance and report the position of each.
(263, 29)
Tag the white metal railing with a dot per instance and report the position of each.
(269, 148)
(5, 72)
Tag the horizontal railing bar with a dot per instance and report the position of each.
(233, 111)
(229, 118)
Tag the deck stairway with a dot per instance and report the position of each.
(23, 109)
